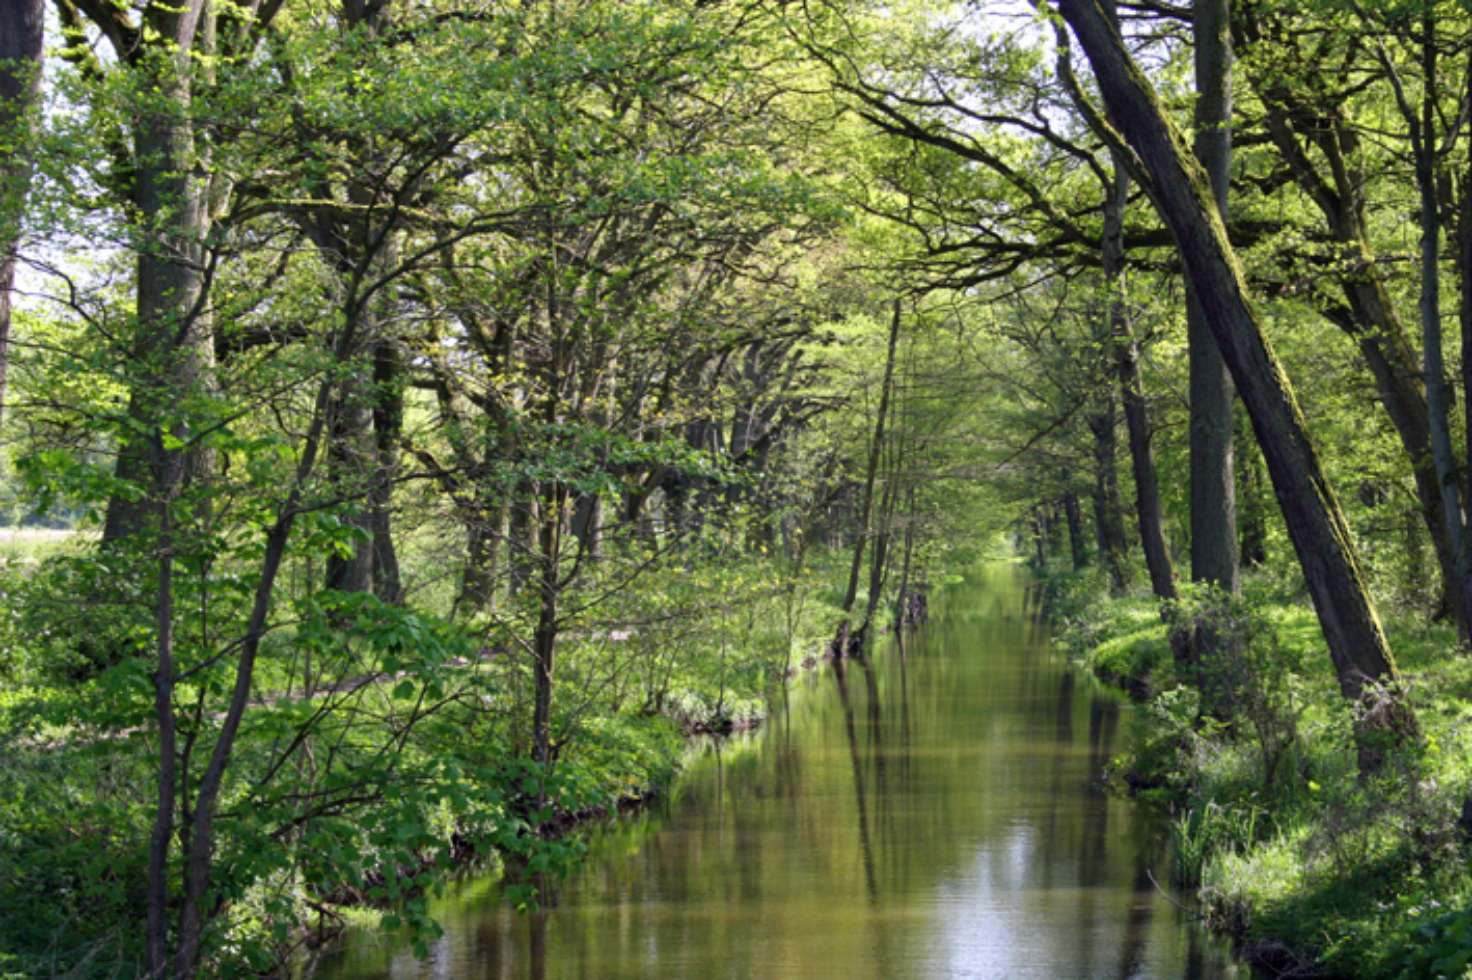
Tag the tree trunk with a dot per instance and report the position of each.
(350, 469)
(1464, 270)
(1039, 538)
(170, 356)
(1214, 556)
(1132, 394)
(1108, 512)
(160, 840)
(388, 424)
(198, 845)
(544, 641)
(172, 352)
(1076, 543)
(1433, 364)
(587, 524)
(904, 607)
(1337, 189)
(876, 444)
(1362, 658)
(22, 40)
(1252, 491)
(879, 558)
(522, 540)
(482, 558)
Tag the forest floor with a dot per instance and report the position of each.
(1314, 870)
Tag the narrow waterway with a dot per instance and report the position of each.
(935, 814)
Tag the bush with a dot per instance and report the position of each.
(1244, 678)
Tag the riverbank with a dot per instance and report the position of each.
(1313, 871)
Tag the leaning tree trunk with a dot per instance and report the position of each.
(21, 43)
(1362, 658)
(1214, 554)
(1373, 321)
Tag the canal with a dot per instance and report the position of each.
(935, 813)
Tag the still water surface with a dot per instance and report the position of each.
(934, 814)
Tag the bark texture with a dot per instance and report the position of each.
(1214, 553)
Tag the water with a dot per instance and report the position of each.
(936, 814)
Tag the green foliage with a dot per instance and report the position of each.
(1285, 844)
(1208, 830)
(1162, 760)
(1440, 947)
(551, 336)
(1121, 640)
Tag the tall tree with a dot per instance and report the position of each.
(843, 641)
(1214, 551)
(172, 346)
(1429, 146)
(1181, 190)
(1132, 393)
(1303, 89)
(1104, 493)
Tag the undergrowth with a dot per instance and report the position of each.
(1314, 869)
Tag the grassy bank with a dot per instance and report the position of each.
(1317, 872)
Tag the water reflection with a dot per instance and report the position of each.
(866, 850)
(932, 812)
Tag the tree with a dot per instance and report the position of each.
(1357, 645)
(21, 42)
(1214, 552)
(1303, 89)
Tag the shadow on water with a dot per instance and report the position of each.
(952, 824)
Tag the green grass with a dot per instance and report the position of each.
(1320, 869)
